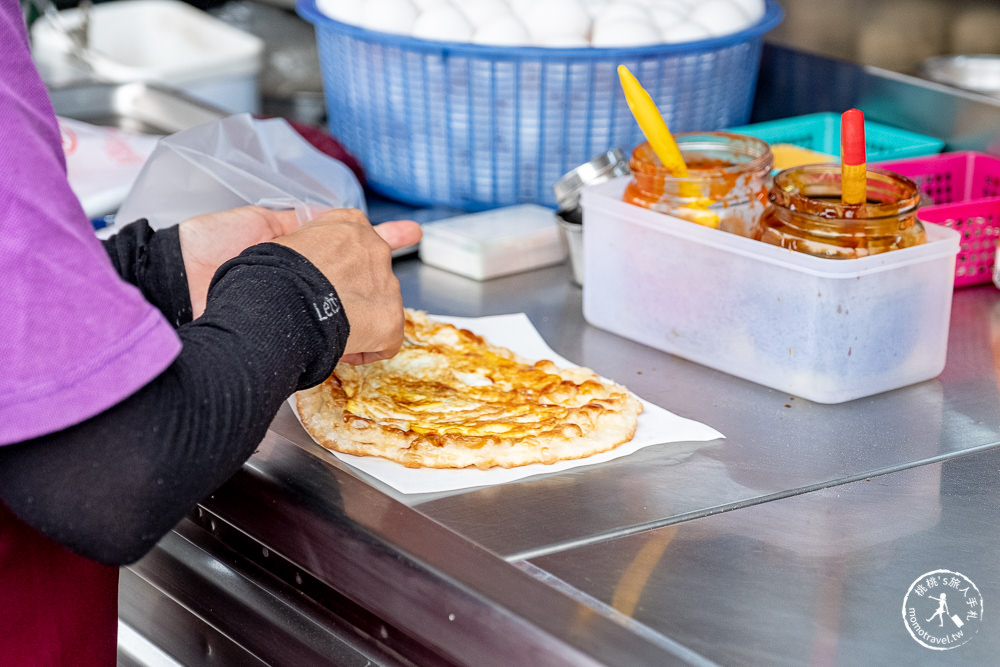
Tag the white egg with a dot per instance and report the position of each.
(426, 4)
(667, 15)
(754, 9)
(547, 19)
(395, 16)
(481, 12)
(564, 41)
(345, 11)
(677, 5)
(506, 30)
(517, 7)
(616, 32)
(720, 17)
(623, 10)
(688, 31)
(594, 7)
(444, 22)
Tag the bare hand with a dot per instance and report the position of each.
(357, 260)
(207, 241)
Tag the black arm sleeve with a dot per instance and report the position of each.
(152, 261)
(110, 487)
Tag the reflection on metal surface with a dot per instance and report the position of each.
(134, 649)
(817, 578)
(683, 654)
(636, 576)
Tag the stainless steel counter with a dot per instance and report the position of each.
(818, 578)
(791, 541)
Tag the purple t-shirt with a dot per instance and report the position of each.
(74, 338)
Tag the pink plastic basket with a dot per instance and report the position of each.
(962, 191)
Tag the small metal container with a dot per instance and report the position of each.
(572, 232)
(604, 167)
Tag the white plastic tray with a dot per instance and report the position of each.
(160, 41)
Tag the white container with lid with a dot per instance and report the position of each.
(494, 243)
(822, 329)
(159, 41)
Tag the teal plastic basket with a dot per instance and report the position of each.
(821, 132)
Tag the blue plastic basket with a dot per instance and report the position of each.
(821, 132)
(479, 126)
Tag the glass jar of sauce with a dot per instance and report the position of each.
(728, 177)
(806, 213)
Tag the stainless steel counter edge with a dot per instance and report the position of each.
(204, 602)
(424, 581)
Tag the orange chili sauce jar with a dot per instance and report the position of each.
(729, 173)
(806, 213)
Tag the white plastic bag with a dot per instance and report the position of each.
(237, 161)
(102, 163)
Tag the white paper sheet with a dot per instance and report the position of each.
(515, 332)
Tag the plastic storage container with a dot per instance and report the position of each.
(478, 126)
(960, 190)
(821, 132)
(823, 329)
(158, 41)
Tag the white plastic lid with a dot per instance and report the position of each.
(494, 243)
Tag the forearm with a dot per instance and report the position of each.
(152, 261)
(110, 487)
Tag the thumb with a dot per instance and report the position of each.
(399, 233)
(361, 358)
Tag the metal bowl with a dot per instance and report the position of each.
(978, 73)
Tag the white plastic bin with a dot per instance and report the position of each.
(159, 41)
(826, 330)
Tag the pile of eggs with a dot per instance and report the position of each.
(551, 23)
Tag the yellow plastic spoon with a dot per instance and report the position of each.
(853, 159)
(662, 142)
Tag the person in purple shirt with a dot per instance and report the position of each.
(139, 373)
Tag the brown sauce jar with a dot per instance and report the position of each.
(728, 174)
(806, 214)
